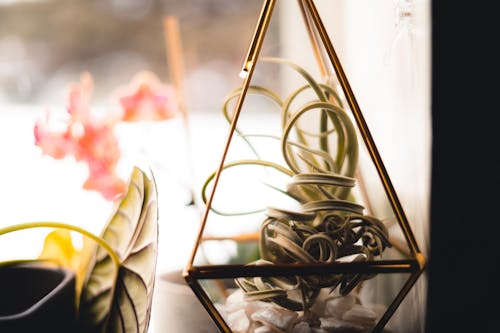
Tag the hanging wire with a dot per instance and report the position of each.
(403, 39)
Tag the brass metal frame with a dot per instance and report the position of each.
(325, 54)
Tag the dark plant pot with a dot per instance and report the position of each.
(36, 298)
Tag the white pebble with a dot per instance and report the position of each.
(238, 321)
(333, 325)
(222, 310)
(336, 306)
(235, 301)
(361, 315)
(301, 327)
(275, 316)
(319, 305)
(263, 329)
(255, 306)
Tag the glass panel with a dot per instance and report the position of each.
(276, 303)
(302, 184)
(297, 175)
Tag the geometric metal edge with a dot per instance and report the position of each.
(415, 266)
(304, 269)
(311, 10)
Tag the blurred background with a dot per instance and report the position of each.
(44, 44)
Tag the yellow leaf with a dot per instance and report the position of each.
(84, 258)
(58, 247)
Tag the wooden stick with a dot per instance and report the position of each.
(175, 58)
(175, 65)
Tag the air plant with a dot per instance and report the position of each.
(330, 225)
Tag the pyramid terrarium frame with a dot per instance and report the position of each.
(339, 237)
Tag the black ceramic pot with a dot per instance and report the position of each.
(36, 298)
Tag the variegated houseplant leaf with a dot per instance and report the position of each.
(116, 270)
(117, 296)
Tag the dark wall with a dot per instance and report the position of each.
(464, 256)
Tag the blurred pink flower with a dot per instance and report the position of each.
(53, 142)
(146, 98)
(85, 136)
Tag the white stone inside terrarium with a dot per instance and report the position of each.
(334, 313)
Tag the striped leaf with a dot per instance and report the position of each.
(116, 297)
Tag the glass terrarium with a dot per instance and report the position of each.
(303, 230)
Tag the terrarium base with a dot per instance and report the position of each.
(331, 313)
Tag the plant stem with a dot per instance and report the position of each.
(44, 224)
